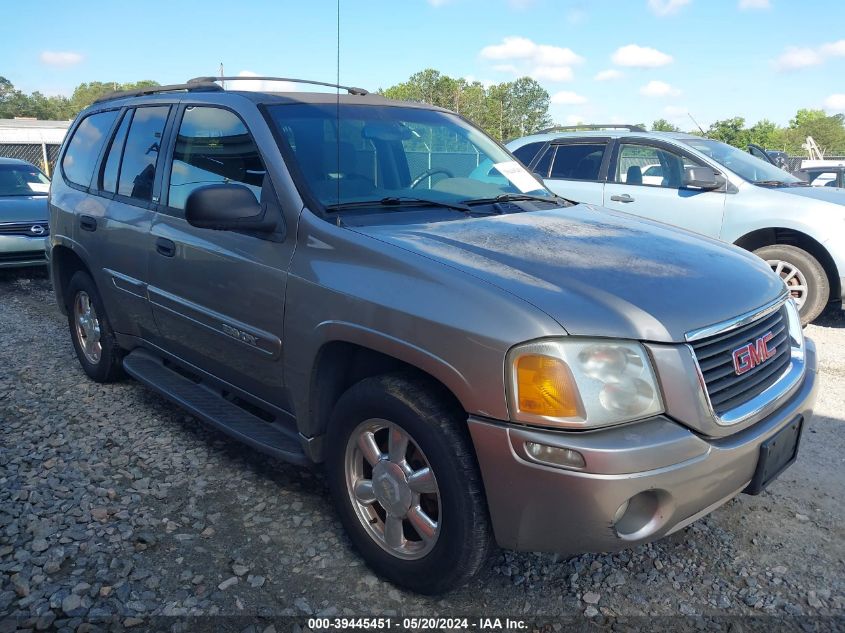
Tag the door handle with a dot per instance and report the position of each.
(165, 247)
(623, 198)
(87, 223)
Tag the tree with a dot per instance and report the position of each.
(662, 125)
(827, 130)
(730, 131)
(506, 110)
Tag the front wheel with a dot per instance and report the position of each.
(804, 276)
(403, 474)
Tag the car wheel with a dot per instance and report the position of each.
(804, 276)
(90, 330)
(403, 475)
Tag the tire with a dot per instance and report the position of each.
(91, 332)
(793, 264)
(389, 406)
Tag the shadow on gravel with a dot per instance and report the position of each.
(832, 317)
(10, 275)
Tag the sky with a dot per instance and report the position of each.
(602, 61)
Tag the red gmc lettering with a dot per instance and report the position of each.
(749, 356)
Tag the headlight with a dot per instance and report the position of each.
(581, 383)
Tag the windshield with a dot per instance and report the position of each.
(357, 154)
(22, 180)
(742, 163)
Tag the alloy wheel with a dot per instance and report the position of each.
(87, 327)
(393, 489)
(794, 279)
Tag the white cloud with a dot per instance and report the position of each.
(744, 5)
(567, 97)
(666, 7)
(833, 49)
(520, 55)
(835, 103)
(655, 88)
(471, 79)
(608, 75)
(261, 85)
(61, 59)
(552, 73)
(677, 115)
(635, 56)
(515, 47)
(795, 57)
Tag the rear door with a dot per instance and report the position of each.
(125, 181)
(218, 296)
(661, 196)
(575, 168)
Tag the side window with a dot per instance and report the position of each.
(651, 166)
(526, 153)
(578, 161)
(213, 146)
(140, 154)
(544, 164)
(108, 179)
(85, 146)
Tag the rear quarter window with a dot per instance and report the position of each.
(85, 146)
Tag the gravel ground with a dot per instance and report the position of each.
(116, 507)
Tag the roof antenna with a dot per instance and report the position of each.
(337, 128)
(703, 133)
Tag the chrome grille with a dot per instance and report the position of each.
(714, 354)
(24, 228)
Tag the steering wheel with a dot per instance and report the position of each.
(430, 172)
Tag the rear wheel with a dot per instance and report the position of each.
(804, 276)
(403, 475)
(90, 330)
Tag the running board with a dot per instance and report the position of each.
(211, 407)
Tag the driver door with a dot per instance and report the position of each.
(661, 198)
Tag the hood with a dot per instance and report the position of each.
(23, 209)
(599, 272)
(826, 194)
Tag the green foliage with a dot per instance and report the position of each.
(662, 125)
(506, 110)
(14, 103)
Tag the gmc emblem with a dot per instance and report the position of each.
(755, 353)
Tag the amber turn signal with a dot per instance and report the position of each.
(545, 387)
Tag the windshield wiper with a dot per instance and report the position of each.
(396, 201)
(515, 197)
(779, 183)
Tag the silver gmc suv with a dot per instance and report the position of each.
(329, 278)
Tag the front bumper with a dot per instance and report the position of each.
(19, 250)
(674, 475)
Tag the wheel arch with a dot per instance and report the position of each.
(64, 264)
(780, 235)
(339, 364)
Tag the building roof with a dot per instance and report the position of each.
(32, 131)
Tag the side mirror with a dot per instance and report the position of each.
(704, 178)
(226, 207)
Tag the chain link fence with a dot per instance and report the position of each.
(42, 155)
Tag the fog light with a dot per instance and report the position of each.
(620, 512)
(555, 455)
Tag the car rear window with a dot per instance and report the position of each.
(579, 161)
(85, 146)
(140, 154)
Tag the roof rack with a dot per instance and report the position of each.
(350, 89)
(609, 126)
(191, 86)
